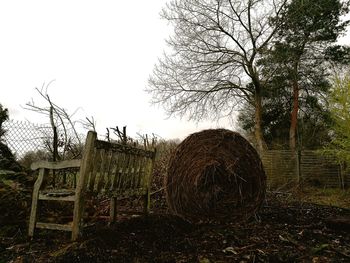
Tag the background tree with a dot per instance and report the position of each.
(3, 117)
(68, 140)
(7, 159)
(339, 103)
(213, 65)
(314, 121)
(302, 50)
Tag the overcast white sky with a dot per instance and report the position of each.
(100, 54)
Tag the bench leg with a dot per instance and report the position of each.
(35, 199)
(77, 218)
(113, 210)
(33, 213)
(147, 203)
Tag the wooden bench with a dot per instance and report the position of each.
(109, 169)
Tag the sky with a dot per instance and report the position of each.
(100, 55)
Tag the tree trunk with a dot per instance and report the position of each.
(294, 116)
(258, 122)
(55, 137)
(259, 137)
(54, 144)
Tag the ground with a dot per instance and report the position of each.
(287, 229)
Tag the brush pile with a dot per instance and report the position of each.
(215, 174)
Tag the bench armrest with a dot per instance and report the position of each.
(55, 165)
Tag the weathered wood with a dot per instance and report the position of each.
(100, 173)
(141, 172)
(134, 172)
(113, 209)
(107, 172)
(70, 198)
(62, 227)
(111, 166)
(56, 165)
(130, 173)
(33, 211)
(123, 173)
(80, 195)
(113, 170)
(123, 148)
(137, 173)
(96, 167)
(147, 206)
(119, 171)
(147, 203)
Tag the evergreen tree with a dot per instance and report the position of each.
(314, 121)
(3, 117)
(296, 70)
(304, 46)
(7, 159)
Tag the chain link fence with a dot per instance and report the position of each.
(24, 137)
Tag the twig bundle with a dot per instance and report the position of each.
(215, 174)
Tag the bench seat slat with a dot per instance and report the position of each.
(62, 227)
(69, 198)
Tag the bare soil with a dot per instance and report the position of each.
(284, 230)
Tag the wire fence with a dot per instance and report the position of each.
(23, 137)
(285, 168)
(282, 167)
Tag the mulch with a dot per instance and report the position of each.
(285, 229)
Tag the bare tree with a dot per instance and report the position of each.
(59, 119)
(213, 64)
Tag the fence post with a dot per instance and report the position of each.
(342, 175)
(298, 166)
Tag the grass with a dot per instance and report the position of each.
(325, 196)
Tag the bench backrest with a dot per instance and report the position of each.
(114, 169)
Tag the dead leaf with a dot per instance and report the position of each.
(230, 250)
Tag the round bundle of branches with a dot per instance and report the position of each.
(215, 174)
